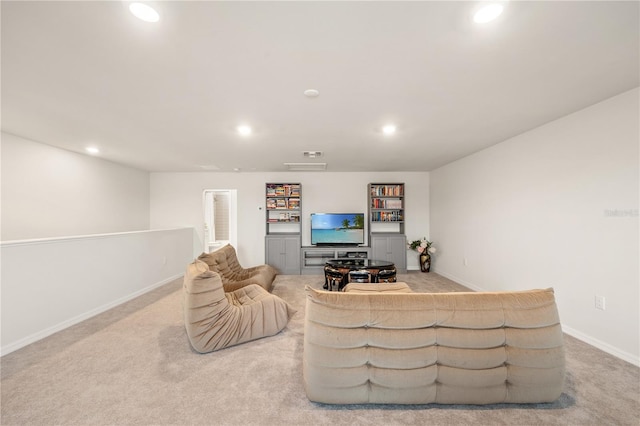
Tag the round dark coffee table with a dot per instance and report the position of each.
(340, 272)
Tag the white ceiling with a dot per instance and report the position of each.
(168, 96)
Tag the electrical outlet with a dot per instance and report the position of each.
(600, 303)
(464, 261)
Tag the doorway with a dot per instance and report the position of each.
(220, 218)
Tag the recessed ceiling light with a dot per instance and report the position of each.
(244, 130)
(92, 150)
(488, 13)
(311, 93)
(144, 12)
(389, 129)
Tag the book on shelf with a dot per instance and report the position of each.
(283, 190)
(294, 191)
(282, 204)
(387, 190)
(393, 204)
(378, 203)
(284, 217)
(390, 216)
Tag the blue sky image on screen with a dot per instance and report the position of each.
(329, 228)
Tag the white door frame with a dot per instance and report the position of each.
(210, 244)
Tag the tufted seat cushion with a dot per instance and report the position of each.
(214, 319)
(421, 348)
(225, 262)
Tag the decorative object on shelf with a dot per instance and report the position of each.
(425, 249)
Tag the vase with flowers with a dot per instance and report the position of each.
(425, 249)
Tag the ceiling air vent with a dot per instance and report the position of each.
(312, 154)
(209, 167)
(306, 167)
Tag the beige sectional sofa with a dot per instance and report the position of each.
(225, 262)
(421, 348)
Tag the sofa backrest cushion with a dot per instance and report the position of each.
(224, 261)
(397, 287)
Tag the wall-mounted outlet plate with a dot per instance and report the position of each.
(600, 302)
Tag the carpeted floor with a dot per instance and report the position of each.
(133, 365)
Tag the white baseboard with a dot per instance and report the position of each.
(79, 318)
(459, 280)
(625, 356)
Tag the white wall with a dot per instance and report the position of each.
(554, 207)
(51, 192)
(51, 284)
(176, 200)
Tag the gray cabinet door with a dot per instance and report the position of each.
(391, 247)
(283, 253)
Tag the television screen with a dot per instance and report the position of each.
(337, 228)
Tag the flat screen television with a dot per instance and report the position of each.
(337, 229)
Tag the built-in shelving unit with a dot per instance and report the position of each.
(391, 247)
(386, 223)
(386, 207)
(283, 247)
(314, 258)
(283, 240)
(283, 207)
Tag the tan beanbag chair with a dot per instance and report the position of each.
(215, 319)
(225, 262)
